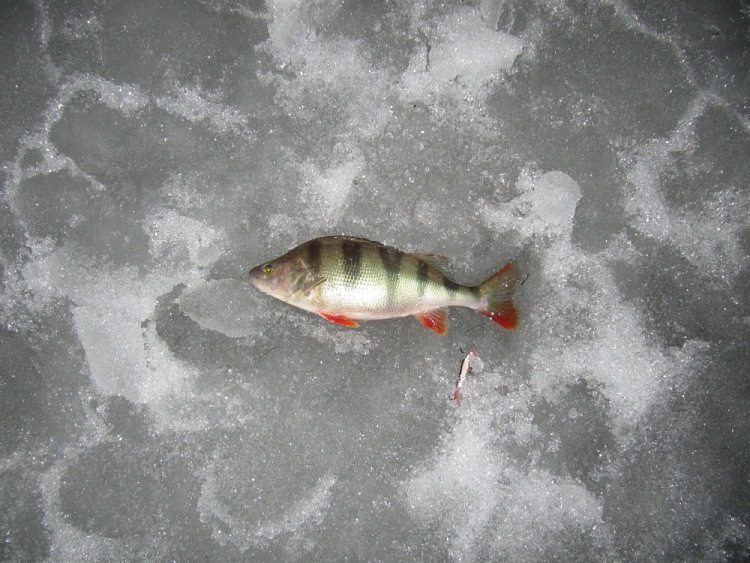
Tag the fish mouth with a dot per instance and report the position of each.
(254, 275)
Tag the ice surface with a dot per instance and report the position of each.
(485, 504)
(224, 306)
(547, 204)
(155, 406)
(458, 47)
(326, 192)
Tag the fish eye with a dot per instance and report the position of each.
(268, 269)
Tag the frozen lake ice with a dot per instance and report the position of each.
(155, 406)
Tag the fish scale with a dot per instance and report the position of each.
(369, 280)
(345, 279)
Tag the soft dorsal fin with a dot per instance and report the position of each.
(435, 260)
(434, 320)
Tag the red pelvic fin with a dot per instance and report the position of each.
(339, 320)
(507, 317)
(434, 320)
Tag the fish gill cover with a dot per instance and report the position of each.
(153, 405)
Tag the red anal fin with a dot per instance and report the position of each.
(339, 320)
(506, 317)
(434, 320)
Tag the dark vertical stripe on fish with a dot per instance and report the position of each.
(352, 252)
(450, 285)
(392, 265)
(313, 256)
(423, 277)
(476, 292)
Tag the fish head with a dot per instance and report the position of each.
(282, 278)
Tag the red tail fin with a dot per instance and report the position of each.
(497, 296)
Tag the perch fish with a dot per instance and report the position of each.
(347, 279)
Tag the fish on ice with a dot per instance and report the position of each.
(346, 279)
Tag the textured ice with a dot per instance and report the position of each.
(459, 46)
(155, 406)
(547, 204)
(483, 503)
(225, 306)
(720, 214)
(170, 234)
(326, 192)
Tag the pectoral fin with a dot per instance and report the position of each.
(340, 320)
(312, 282)
(434, 320)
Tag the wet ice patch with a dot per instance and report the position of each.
(230, 307)
(125, 98)
(308, 509)
(232, 529)
(67, 541)
(343, 342)
(263, 506)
